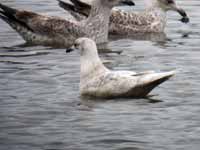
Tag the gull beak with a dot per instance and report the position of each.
(70, 49)
(127, 3)
(185, 18)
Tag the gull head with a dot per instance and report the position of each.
(170, 5)
(112, 3)
(86, 47)
(89, 58)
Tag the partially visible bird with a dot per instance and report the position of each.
(153, 19)
(54, 31)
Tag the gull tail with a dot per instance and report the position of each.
(76, 8)
(148, 82)
(66, 6)
(9, 15)
(80, 4)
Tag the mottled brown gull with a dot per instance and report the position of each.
(54, 31)
(152, 19)
(98, 81)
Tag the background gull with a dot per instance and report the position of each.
(98, 81)
(153, 19)
(54, 31)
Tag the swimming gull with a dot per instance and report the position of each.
(54, 31)
(152, 19)
(98, 81)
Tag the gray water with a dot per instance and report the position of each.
(41, 108)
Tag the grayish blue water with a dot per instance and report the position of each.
(40, 106)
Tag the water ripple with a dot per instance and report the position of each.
(40, 105)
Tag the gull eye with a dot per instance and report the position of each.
(170, 1)
(75, 45)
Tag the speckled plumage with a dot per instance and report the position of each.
(153, 19)
(54, 31)
(43, 30)
(122, 22)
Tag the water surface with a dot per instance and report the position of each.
(40, 105)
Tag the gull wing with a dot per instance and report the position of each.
(39, 24)
(122, 22)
